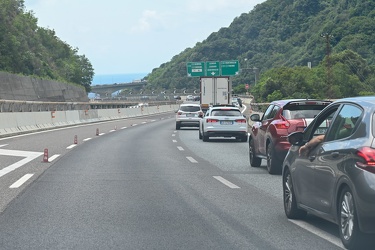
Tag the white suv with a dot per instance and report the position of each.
(223, 121)
(188, 115)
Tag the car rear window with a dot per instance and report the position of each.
(229, 112)
(302, 111)
(190, 108)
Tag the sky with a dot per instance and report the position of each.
(127, 37)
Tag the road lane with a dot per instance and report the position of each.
(133, 189)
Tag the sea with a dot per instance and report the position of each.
(117, 78)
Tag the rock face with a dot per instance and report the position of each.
(24, 88)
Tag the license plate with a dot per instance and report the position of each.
(190, 115)
(226, 122)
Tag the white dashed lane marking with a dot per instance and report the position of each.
(180, 148)
(71, 146)
(226, 182)
(191, 159)
(52, 158)
(21, 181)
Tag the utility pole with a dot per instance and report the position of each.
(327, 38)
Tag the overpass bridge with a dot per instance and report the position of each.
(108, 89)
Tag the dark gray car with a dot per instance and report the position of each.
(335, 180)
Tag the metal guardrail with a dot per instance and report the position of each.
(37, 106)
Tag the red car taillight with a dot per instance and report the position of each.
(212, 120)
(282, 125)
(368, 155)
(241, 121)
(179, 113)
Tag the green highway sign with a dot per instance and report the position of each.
(213, 68)
(196, 69)
(230, 68)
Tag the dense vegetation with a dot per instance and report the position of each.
(30, 50)
(280, 38)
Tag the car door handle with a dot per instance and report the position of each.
(335, 154)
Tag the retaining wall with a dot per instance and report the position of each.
(25, 88)
(25, 122)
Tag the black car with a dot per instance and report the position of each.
(335, 180)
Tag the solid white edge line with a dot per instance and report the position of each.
(226, 182)
(53, 157)
(312, 229)
(191, 159)
(21, 181)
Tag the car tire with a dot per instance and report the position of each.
(254, 161)
(200, 135)
(290, 201)
(204, 137)
(273, 165)
(350, 234)
(177, 126)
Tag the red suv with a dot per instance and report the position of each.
(268, 137)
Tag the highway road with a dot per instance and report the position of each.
(140, 184)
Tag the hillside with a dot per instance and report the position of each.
(279, 34)
(30, 50)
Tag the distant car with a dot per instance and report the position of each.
(223, 121)
(188, 115)
(190, 98)
(335, 180)
(268, 137)
(197, 98)
(177, 97)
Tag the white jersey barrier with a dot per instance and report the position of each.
(23, 122)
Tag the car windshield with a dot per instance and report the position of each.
(190, 108)
(229, 112)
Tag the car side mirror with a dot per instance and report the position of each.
(255, 117)
(296, 138)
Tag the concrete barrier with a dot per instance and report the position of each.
(25, 122)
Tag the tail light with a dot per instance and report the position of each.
(368, 156)
(212, 120)
(179, 113)
(241, 121)
(282, 125)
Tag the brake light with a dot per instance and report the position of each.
(368, 156)
(179, 113)
(282, 125)
(241, 120)
(212, 120)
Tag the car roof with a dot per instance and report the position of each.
(365, 101)
(282, 103)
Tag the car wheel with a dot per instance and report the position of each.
(273, 165)
(204, 137)
(200, 135)
(254, 161)
(290, 201)
(350, 235)
(177, 126)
